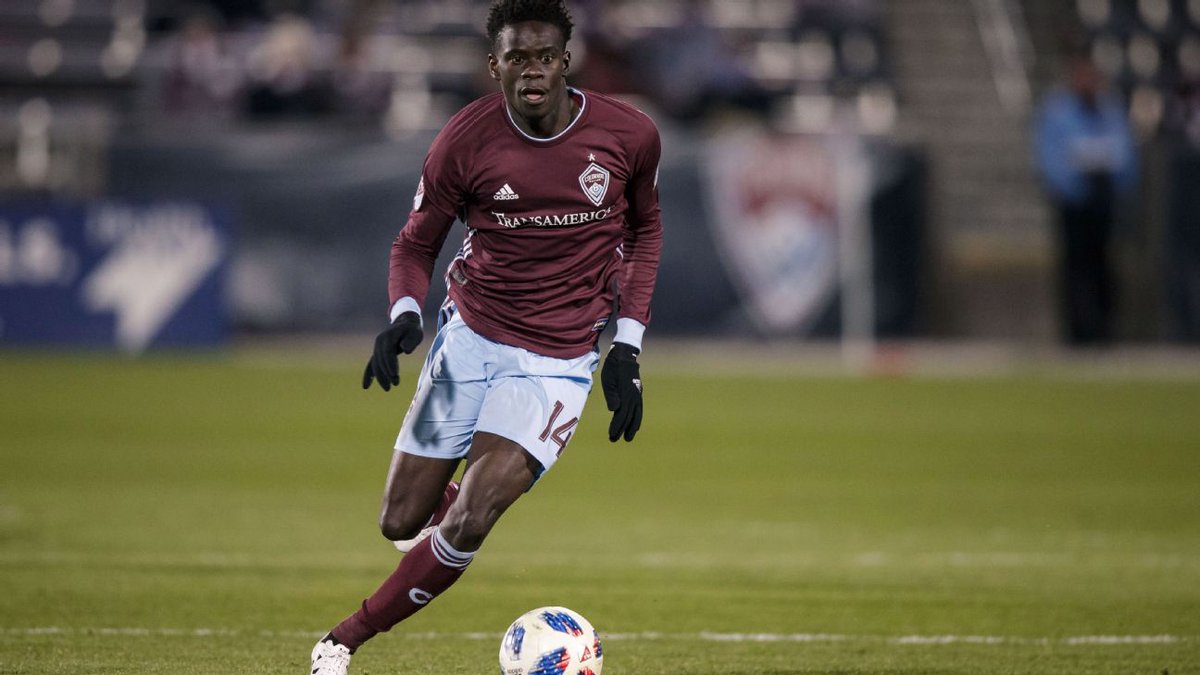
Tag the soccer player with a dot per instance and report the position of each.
(557, 187)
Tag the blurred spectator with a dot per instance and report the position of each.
(691, 69)
(285, 82)
(361, 90)
(202, 78)
(1188, 120)
(1086, 156)
(605, 68)
(168, 16)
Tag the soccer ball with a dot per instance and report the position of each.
(551, 641)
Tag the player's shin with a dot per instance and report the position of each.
(424, 573)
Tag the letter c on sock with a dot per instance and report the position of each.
(419, 596)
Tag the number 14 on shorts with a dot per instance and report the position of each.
(562, 433)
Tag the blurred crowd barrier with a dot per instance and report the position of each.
(285, 230)
(1183, 242)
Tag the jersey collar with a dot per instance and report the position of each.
(571, 91)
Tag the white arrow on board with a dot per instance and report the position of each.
(149, 274)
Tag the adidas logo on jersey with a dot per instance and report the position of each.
(505, 193)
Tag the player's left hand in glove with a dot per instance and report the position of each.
(622, 383)
(401, 337)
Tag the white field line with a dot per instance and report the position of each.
(646, 636)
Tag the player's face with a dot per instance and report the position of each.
(530, 63)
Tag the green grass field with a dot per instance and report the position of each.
(215, 515)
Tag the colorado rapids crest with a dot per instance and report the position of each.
(775, 202)
(594, 181)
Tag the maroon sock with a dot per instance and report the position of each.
(443, 506)
(424, 572)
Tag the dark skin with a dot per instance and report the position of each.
(530, 62)
(498, 472)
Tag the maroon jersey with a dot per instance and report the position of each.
(550, 223)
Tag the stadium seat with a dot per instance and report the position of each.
(1094, 14)
(1155, 14)
(1188, 57)
(1143, 56)
(815, 57)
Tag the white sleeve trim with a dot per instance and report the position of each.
(630, 332)
(406, 304)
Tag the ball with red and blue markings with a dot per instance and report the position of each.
(551, 641)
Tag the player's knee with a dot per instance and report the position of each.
(397, 524)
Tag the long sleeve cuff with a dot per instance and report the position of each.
(406, 304)
(630, 332)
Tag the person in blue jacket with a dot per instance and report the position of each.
(1087, 159)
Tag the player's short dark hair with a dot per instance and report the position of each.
(507, 12)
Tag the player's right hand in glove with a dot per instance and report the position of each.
(401, 337)
(622, 383)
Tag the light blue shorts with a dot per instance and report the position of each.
(470, 384)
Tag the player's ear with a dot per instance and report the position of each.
(566, 61)
(494, 67)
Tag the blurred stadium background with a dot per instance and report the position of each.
(880, 148)
(212, 188)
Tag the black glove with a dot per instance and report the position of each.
(622, 383)
(401, 337)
